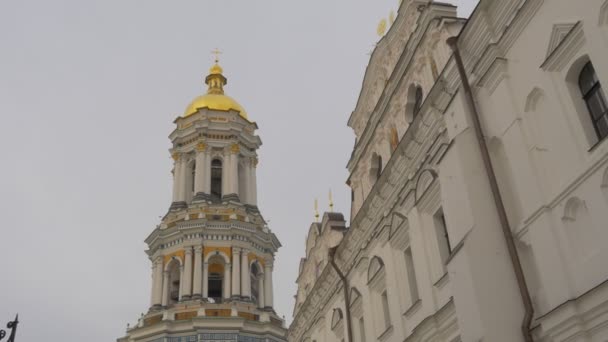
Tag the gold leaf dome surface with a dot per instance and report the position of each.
(215, 99)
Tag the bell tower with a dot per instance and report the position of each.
(212, 254)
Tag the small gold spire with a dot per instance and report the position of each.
(381, 29)
(331, 202)
(316, 210)
(217, 54)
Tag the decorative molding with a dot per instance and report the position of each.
(495, 74)
(572, 42)
(603, 18)
(559, 32)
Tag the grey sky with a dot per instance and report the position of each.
(88, 93)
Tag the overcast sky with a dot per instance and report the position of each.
(88, 93)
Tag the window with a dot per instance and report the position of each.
(443, 240)
(193, 177)
(376, 168)
(387, 315)
(411, 276)
(255, 283)
(216, 179)
(361, 330)
(594, 98)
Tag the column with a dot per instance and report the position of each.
(153, 291)
(181, 283)
(268, 300)
(245, 194)
(226, 173)
(157, 293)
(245, 287)
(254, 187)
(207, 173)
(205, 279)
(236, 283)
(201, 171)
(183, 170)
(176, 173)
(197, 279)
(234, 169)
(226, 290)
(261, 291)
(165, 291)
(187, 275)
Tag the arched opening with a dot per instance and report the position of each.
(216, 278)
(376, 168)
(255, 276)
(192, 179)
(595, 100)
(415, 95)
(216, 179)
(174, 271)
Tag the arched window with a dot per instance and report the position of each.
(216, 179)
(216, 278)
(418, 100)
(174, 282)
(255, 276)
(595, 99)
(376, 169)
(193, 177)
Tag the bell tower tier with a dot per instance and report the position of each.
(212, 254)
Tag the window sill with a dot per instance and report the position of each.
(386, 334)
(442, 281)
(413, 308)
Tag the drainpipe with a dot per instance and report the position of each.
(502, 213)
(349, 329)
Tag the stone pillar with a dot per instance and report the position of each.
(181, 283)
(268, 300)
(236, 283)
(201, 170)
(207, 173)
(197, 279)
(245, 287)
(165, 291)
(244, 194)
(183, 174)
(253, 197)
(187, 294)
(227, 275)
(226, 173)
(176, 173)
(205, 279)
(261, 291)
(234, 169)
(157, 292)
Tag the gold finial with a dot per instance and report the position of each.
(381, 30)
(217, 54)
(331, 202)
(316, 210)
(391, 17)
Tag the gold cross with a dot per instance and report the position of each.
(217, 54)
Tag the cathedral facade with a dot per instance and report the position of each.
(479, 183)
(212, 254)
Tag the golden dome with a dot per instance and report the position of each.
(215, 102)
(215, 98)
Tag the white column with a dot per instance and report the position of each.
(226, 173)
(227, 275)
(207, 173)
(157, 292)
(236, 283)
(165, 291)
(181, 283)
(153, 291)
(254, 185)
(201, 171)
(205, 279)
(197, 279)
(261, 291)
(244, 195)
(176, 173)
(234, 170)
(268, 285)
(245, 287)
(188, 274)
(183, 173)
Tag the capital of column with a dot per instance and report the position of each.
(235, 148)
(201, 146)
(236, 249)
(176, 156)
(198, 249)
(188, 250)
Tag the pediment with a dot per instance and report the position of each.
(559, 32)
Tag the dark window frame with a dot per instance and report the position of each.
(591, 89)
